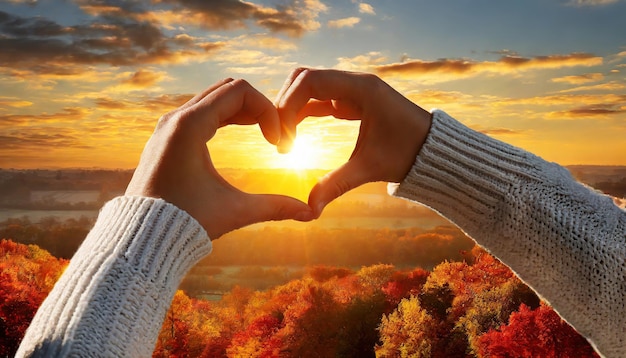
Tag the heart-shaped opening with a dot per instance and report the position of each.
(245, 159)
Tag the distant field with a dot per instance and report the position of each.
(425, 223)
(324, 223)
(37, 215)
(65, 196)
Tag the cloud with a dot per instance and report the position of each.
(567, 100)
(450, 69)
(68, 115)
(134, 34)
(601, 111)
(579, 79)
(156, 105)
(262, 41)
(345, 22)
(255, 55)
(567, 106)
(141, 80)
(581, 3)
(365, 8)
(366, 62)
(41, 138)
(144, 78)
(42, 46)
(293, 18)
(499, 131)
(609, 86)
(14, 102)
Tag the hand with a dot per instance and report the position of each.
(392, 130)
(176, 166)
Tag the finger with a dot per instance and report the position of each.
(288, 128)
(205, 93)
(288, 81)
(237, 102)
(270, 207)
(324, 85)
(338, 109)
(336, 183)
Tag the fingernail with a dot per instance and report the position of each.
(284, 147)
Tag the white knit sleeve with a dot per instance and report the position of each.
(112, 298)
(563, 239)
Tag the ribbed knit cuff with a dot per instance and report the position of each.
(160, 240)
(151, 245)
(464, 174)
(113, 296)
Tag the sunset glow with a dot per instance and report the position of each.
(303, 155)
(83, 82)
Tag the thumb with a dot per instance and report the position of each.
(271, 207)
(335, 184)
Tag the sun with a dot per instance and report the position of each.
(303, 154)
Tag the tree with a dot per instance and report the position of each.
(27, 274)
(534, 333)
(491, 309)
(409, 331)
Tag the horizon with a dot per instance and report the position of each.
(82, 83)
(292, 170)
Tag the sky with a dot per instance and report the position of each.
(83, 82)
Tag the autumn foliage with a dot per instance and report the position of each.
(470, 308)
(27, 274)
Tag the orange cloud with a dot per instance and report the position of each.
(579, 79)
(593, 111)
(345, 22)
(68, 115)
(262, 41)
(609, 86)
(567, 100)
(156, 105)
(443, 70)
(14, 102)
(499, 131)
(143, 78)
(505, 65)
(365, 8)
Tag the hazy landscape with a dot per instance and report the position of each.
(61, 205)
(345, 282)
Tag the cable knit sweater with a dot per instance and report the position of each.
(563, 239)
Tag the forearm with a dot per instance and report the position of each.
(112, 298)
(563, 239)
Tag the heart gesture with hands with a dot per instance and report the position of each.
(391, 134)
(176, 165)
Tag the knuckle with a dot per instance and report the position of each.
(239, 83)
(299, 70)
(341, 187)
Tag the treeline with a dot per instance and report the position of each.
(60, 237)
(615, 188)
(27, 274)
(473, 308)
(342, 247)
(273, 246)
(16, 186)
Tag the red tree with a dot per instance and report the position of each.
(535, 333)
(27, 274)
